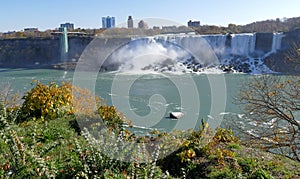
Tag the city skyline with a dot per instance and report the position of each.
(15, 15)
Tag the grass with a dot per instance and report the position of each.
(55, 149)
(39, 147)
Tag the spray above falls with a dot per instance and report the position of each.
(149, 54)
(195, 53)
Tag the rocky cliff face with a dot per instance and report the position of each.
(77, 46)
(20, 52)
(36, 52)
(45, 52)
(286, 60)
(263, 43)
(290, 38)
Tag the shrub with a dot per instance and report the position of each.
(111, 117)
(53, 101)
(47, 101)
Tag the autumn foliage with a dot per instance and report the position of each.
(52, 101)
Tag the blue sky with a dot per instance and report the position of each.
(48, 14)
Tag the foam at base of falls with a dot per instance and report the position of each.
(247, 65)
(250, 66)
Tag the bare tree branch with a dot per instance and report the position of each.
(272, 105)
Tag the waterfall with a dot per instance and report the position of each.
(64, 44)
(243, 44)
(193, 53)
(217, 43)
(276, 42)
(201, 48)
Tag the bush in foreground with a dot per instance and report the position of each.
(52, 101)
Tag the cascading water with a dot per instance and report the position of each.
(194, 53)
(276, 45)
(243, 44)
(217, 43)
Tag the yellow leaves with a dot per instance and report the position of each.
(280, 85)
(271, 94)
(45, 111)
(224, 135)
(191, 153)
(187, 155)
(52, 101)
(186, 143)
(111, 117)
(221, 154)
(48, 105)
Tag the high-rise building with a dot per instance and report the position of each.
(143, 25)
(67, 25)
(108, 22)
(193, 23)
(130, 22)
